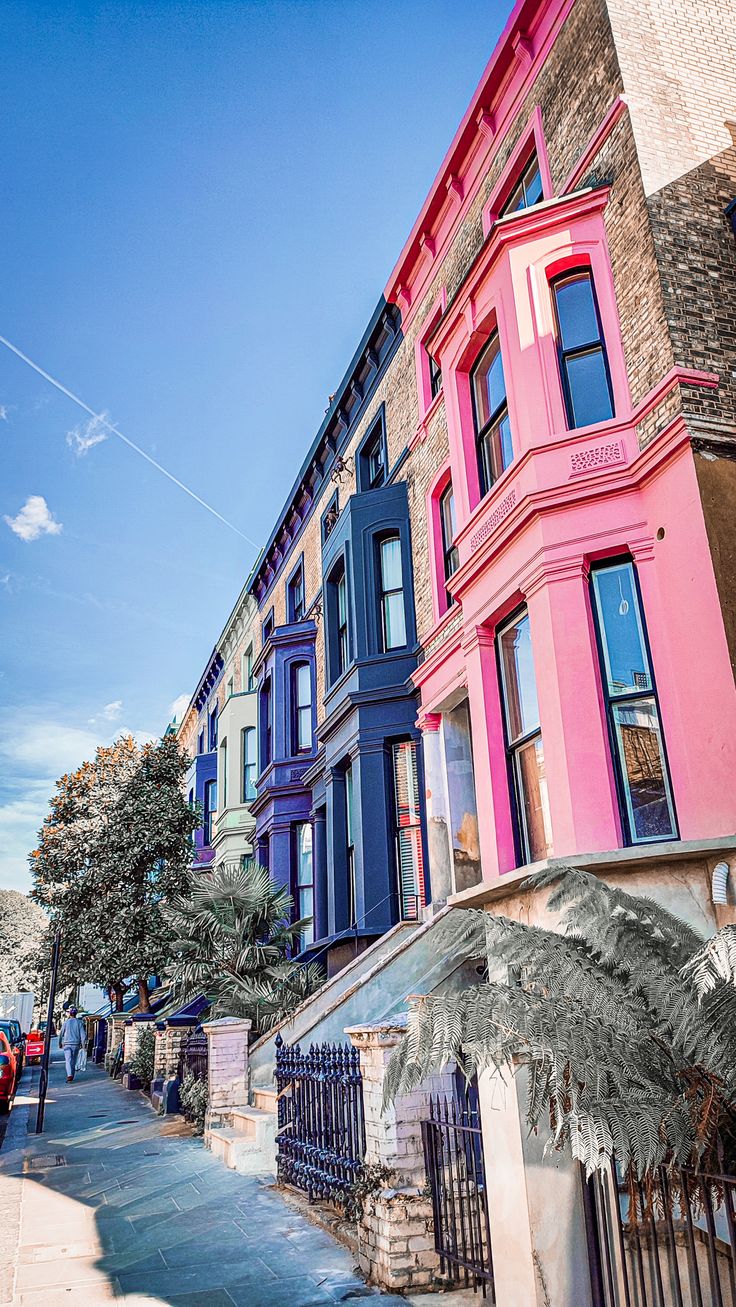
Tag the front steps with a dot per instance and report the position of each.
(248, 1146)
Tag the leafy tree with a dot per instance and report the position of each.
(625, 1021)
(22, 928)
(115, 845)
(233, 936)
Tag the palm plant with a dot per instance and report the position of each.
(233, 939)
(624, 1018)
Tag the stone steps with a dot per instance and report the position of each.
(240, 1153)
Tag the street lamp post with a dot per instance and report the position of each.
(44, 1078)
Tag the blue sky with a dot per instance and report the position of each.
(202, 203)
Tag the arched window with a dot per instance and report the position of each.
(491, 414)
(581, 349)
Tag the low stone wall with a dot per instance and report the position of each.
(227, 1069)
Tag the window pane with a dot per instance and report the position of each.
(533, 185)
(535, 800)
(304, 728)
(488, 382)
(589, 393)
(576, 312)
(519, 683)
(349, 803)
(626, 662)
(391, 563)
(303, 686)
(409, 831)
(342, 607)
(497, 451)
(640, 751)
(394, 621)
(304, 854)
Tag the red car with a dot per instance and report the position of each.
(8, 1073)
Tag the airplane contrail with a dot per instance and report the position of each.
(115, 431)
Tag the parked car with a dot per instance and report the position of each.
(9, 1073)
(34, 1045)
(17, 1040)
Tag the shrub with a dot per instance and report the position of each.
(194, 1096)
(141, 1064)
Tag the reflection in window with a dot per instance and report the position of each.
(305, 881)
(632, 706)
(524, 739)
(393, 615)
(450, 556)
(301, 708)
(250, 763)
(528, 191)
(582, 352)
(491, 410)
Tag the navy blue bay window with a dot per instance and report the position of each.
(266, 722)
(491, 415)
(210, 810)
(393, 612)
(250, 763)
(581, 350)
(304, 888)
(633, 710)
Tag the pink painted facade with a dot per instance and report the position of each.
(568, 500)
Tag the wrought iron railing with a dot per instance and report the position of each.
(321, 1128)
(671, 1243)
(193, 1056)
(453, 1157)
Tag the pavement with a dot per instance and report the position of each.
(112, 1204)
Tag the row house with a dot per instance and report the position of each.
(494, 622)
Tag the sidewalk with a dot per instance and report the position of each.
(110, 1204)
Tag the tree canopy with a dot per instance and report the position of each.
(22, 928)
(115, 845)
(625, 1021)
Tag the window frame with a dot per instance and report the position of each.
(515, 746)
(577, 273)
(248, 732)
(610, 701)
(375, 438)
(520, 185)
(298, 887)
(329, 517)
(495, 419)
(448, 548)
(297, 708)
(267, 626)
(209, 812)
(384, 538)
(295, 589)
(212, 723)
(351, 887)
(339, 641)
(425, 393)
(531, 140)
(411, 827)
(266, 716)
(247, 684)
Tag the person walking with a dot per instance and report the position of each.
(71, 1039)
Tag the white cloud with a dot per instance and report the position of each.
(4, 410)
(34, 519)
(88, 434)
(112, 711)
(179, 707)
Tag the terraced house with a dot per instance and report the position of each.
(495, 617)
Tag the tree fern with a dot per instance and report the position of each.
(624, 1018)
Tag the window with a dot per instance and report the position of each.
(223, 772)
(230, 687)
(267, 628)
(210, 810)
(305, 881)
(338, 615)
(213, 728)
(491, 413)
(329, 517)
(246, 671)
(295, 596)
(528, 190)
(393, 617)
(409, 851)
(372, 460)
(250, 763)
(586, 382)
(524, 740)
(301, 708)
(633, 711)
(350, 837)
(266, 722)
(435, 376)
(447, 523)
(200, 742)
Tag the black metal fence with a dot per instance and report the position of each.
(453, 1156)
(193, 1056)
(321, 1128)
(672, 1244)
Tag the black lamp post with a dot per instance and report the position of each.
(44, 1078)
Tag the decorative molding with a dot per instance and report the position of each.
(455, 188)
(523, 50)
(427, 243)
(297, 773)
(486, 124)
(429, 723)
(587, 460)
(502, 510)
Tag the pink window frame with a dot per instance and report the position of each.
(440, 603)
(492, 320)
(531, 140)
(424, 385)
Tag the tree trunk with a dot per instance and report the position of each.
(117, 997)
(143, 1001)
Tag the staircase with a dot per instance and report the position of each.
(248, 1146)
